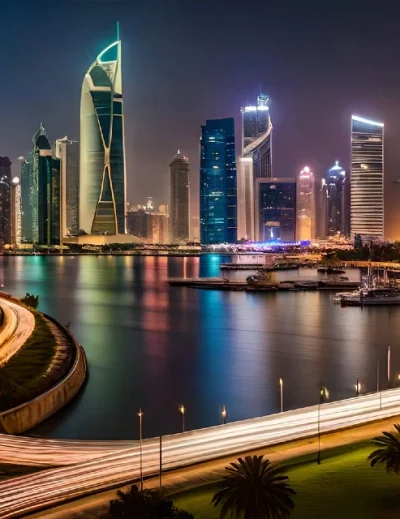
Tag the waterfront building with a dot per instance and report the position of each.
(149, 226)
(366, 178)
(5, 200)
(255, 162)
(45, 192)
(276, 209)
(179, 205)
(26, 187)
(337, 198)
(321, 210)
(66, 151)
(16, 213)
(102, 181)
(218, 198)
(305, 206)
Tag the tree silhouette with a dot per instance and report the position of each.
(254, 489)
(388, 453)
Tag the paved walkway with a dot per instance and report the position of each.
(177, 480)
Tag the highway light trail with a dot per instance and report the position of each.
(29, 493)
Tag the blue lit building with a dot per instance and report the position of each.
(218, 198)
(276, 209)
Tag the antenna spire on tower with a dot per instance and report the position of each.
(117, 31)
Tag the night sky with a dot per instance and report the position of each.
(185, 61)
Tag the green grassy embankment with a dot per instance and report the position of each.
(344, 486)
(24, 376)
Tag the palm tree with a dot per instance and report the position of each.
(148, 504)
(253, 488)
(389, 451)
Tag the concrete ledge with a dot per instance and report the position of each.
(28, 415)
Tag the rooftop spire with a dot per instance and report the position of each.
(117, 31)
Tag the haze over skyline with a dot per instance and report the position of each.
(188, 61)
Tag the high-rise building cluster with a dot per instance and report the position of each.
(66, 195)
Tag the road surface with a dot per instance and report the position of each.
(29, 493)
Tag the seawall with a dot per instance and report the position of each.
(28, 415)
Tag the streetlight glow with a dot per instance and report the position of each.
(223, 414)
(182, 410)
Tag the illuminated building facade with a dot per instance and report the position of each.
(5, 200)
(66, 152)
(151, 227)
(256, 160)
(337, 202)
(26, 186)
(179, 193)
(45, 192)
(276, 209)
(218, 198)
(305, 206)
(16, 212)
(366, 179)
(102, 180)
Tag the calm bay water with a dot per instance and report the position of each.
(156, 347)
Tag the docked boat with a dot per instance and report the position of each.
(372, 297)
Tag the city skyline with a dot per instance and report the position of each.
(291, 88)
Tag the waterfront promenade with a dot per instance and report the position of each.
(48, 488)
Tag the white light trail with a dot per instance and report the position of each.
(33, 492)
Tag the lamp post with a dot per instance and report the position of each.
(182, 411)
(323, 394)
(140, 415)
(358, 387)
(281, 390)
(223, 414)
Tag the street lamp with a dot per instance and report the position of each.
(281, 389)
(182, 411)
(140, 415)
(223, 414)
(357, 388)
(323, 395)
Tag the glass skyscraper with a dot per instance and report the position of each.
(45, 192)
(337, 202)
(102, 152)
(5, 201)
(26, 187)
(276, 209)
(366, 180)
(256, 160)
(218, 199)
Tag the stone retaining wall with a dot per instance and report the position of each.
(28, 415)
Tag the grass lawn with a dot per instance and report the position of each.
(344, 486)
(22, 376)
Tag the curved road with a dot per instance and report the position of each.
(18, 326)
(29, 493)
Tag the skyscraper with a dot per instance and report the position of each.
(16, 212)
(366, 180)
(45, 192)
(65, 150)
(276, 209)
(218, 200)
(5, 200)
(26, 186)
(102, 151)
(305, 203)
(179, 207)
(256, 160)
(337, 191)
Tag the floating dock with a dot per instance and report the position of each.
(298, 285)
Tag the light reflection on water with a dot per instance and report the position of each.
(156, 347)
